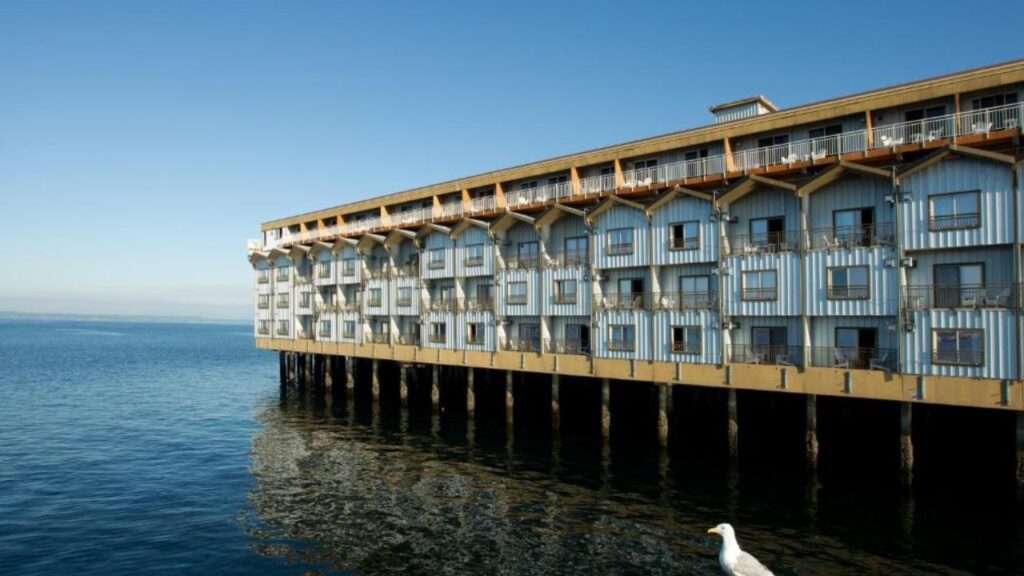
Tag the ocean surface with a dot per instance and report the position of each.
(131, 448)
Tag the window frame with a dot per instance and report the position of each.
(475, 333)
(685, 349)
(436, 263)
(561, 296)
(830, 286)
(512, 299)
(618, 248)
(673, 240)
(375, 302)
(471, 261)
(620, 344)
(931, 211)
(399, 300)
(935, 356)
(744, 296)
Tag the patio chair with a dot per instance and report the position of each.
(880, 361)
(841, 360)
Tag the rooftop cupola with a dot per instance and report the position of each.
(744, 108)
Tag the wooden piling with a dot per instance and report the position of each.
(663, 392)
(403, 385)
(470, 393)
(906, 445)
(375, 380)
(510, 401)
(733, 427)
(606, 410)
(556, 404)
(811, 435)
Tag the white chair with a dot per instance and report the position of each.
(880, 361)
(819, 154)
(788, 159)
(841, 360)
(982, 127)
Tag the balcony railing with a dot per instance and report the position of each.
(760, 294)
(516, 262)
(476, 304)
(767, 242)
(924, 297)
(764, 354)
(438, 338)
(521, 345)
(839, 237)
(566, 298)
(378, 272)
(409, 339)
(442, 305)
(686, 301)
(325, 332)
(959, 357)
(380, 338)
(517, 299)
(853, 292)
(374, 302)
(620, 249)
(854, 358)
(594, 185)
(483, 204)
(435, 264)
(414, 216)
(349, 306)
(809, 150)
(407, 270)
(685, 347)
(621, 345)
(625, 301)
(683, 243)
(471, 261)
(404, 302)
(564, 346)
(282, 303)
(323, 271)
(568, 258)
(540, 194)
(449, 210)
(954, 222)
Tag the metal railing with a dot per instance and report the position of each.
(403, 302)
(760, 294)
(378, 273)
(959, 357)
(407, 270)
(925, 297)
(409, 339)
(621, 345)
(380, 338)
(517, 299)
(568, 258)
(566, 298)
(449, 210)
(438, 338)
(435, 264)
(863, 235)
(593, 185)
(625, 301)
(323, 270)
(471, 261)
(854, 358)
(683, 243)
(954, 222)
(414, 216)
(564, 346)
(476, 304)
(352, 306)
(449, 305)
(480, 205)
(767, 242)
(374, 302)
(540, 194)
(686, 301)
(851, 292)
(686, 347)
(620, 249)
(516, 262)
(764, 354)
(521, 345)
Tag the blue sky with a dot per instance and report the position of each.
(141, 142)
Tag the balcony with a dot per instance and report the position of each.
(538, 195)
(563, 346)
(526, 262)
(477, 304)
(380, 338)
(698, 168)
(409, 339)
(378, 273)
(760, 294)
(449, 210)
(621, 346)
(763, 243)
(620, 249)
(625, 301)
(568, 259)
(323, 272)
(852, 292)
(374, 303)
(282, 303)
(481, 205)
(954, 222)
(472, 261)
(349, 306)
(410, 217)
(521, 345)
(595, 185)
(692, 348)
(684, 243)
(348, 335)
(442, 305)
(407, 270)
(569, 298)
(959, 357)
(800, 151)
(854, 358)
(438, 338)
(765, 354)
(926, 297)
(844, 237)
(686, 301)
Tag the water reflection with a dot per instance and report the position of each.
(344, 487)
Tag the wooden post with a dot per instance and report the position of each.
(556, 408)
(470, 393)
(734, 427)
(350, 376)
(435, 390)
(663, 393)
(328, 367)
(282, 360)
(906, 445)
(606, 409)
(812, 432)
(510, 401)
(403, 385)
(375, 382)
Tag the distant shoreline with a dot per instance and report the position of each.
(138, 319)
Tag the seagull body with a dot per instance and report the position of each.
(734, 561)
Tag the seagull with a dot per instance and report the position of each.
(736, 562)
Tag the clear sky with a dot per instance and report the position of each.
(142, 142)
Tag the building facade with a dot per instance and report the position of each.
(867, 246)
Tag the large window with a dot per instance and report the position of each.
(958, 285)
(565, 292)
(954, 211)
(283, 272)
(576, 248)
(264, 327)
(620, 241)
(822, 141)
(325, 328)
(960, 347)
(375, 297)
(760, 285)
(348, 330)
(474, 255)
(528, 254)
(853, 227)
(577, 339)
(768, 232)
(264, 301)
(621, 337)
(404, 296)
(282, 327)
(686, 339)
(684, 236)
(436, 258)
(529, 337)
(305, 300)
(263, 275)
(695, 292)
(517, 292)
(282, 300)
(474, 333)
(348, 267)
(848, 283)
(438, 332)
(324, 269)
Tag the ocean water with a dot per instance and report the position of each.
(170, 449)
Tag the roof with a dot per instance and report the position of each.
(743, 102)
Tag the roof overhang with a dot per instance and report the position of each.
(466, 223)
(954, 151)
(551, 215)
(509, 220)
(839, 170)
(257, 256)
(610, 203)
(342, 242)
(429, 229)
(277, 252)
(396, 236)
(677, 192)
(298, 252)
(320, 246)
(750, 183)
(367, 241)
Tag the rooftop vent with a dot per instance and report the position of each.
(745, 108)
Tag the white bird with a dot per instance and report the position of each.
(736, 562)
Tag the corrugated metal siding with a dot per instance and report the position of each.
(381, 310)
(998, 263)
(823, 330)
(474, 235)
(641, 322)
(684, 209)
(350, 317)
(346, 253)
(621, 217)
(448, 318)
(884, 297)
(999, 336)
(433, 241)
(763, 203)
(738, 112)
(414, 286)
(710, 324)
(584, 292)
(787, 267)
(484, 318)
(668, 276)
(794, 329)
(324, 258)
(995, 181)
(568, 226)
(850, 193)
(533, 293)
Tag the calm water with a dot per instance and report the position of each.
(169, 449)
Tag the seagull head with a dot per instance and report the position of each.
(723, 530)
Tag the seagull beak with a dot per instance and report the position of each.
(712, 530)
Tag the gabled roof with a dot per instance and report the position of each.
(320, 246)
(551, 215)
(368, 240)
(953, 151)
(671, 195)
(839, 170)
(750, 183)
(257, 256)
(429, 229)
(466, 223)
(276, 252)
(298, 251)
(341, 243)
(611, 202)
(509, 220)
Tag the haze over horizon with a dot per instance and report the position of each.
(143, 143)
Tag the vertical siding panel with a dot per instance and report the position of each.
(884, 295)
(684, 209)
(621, 217)
(1000, 341)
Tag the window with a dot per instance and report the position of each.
(349, 329)
(517, 292)
(929, 123)
(305, 300)
(620, 241)
(527, 254)
(474, 333)
(375, 299)
(768, 232)
(474, 255)
(848, 283)
(380, 331)
(436, 258)
(958, 285)
(283, 272)
(825, 131)
(263, 275)
(324, 269)
(994, 100)
(686, 339)
(264, 327)
(529, 337)
(282, 327)
(325, 328)
(643, 164)
(438, 332)
(621, 337)
(696, 154)
(769, 344)
(348, 267)
(576, 248)
(282, 300)
(853, 227)
(772, 140)
(959, 347)
(577, 339)
(404, 296)
(695, 292)
(760, 285)
(484, 295)
(923, 113)
(954, 211)
(684, 236)
(629, 293)
(264, 301)
(565, 292)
